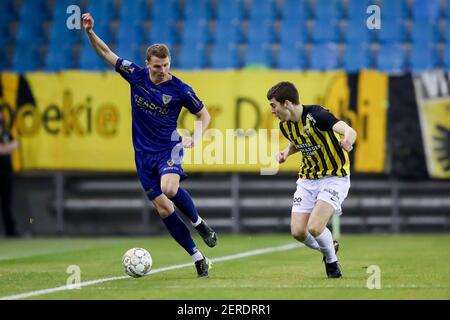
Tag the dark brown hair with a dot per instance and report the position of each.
(158, 50)
(283, 91)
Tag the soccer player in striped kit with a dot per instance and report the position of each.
(157, 98)
(324, 175)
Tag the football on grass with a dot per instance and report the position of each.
(137, 262)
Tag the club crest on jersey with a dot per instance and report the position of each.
(170, 163)
(166, 99)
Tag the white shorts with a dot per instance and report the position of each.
(330, 189)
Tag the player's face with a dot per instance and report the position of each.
(159, 68)
(279, 110)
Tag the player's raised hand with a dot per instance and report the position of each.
(346, 145)
(282, 156)
(88, 21)
(188, 142)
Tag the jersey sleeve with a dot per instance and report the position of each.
(127, 69)
(191, 101)
(325, 120)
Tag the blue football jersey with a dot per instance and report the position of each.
(155, 108)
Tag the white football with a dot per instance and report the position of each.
(137, 262)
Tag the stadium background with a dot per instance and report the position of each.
(70, 112)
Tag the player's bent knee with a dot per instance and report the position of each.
(169, 189)
(315, 230)
(299, 234)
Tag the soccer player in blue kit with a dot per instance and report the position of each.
(156, 99)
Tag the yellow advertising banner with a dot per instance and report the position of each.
(433, 102)
(82, 121)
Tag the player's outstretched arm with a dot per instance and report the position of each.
(99, 46)
(349, 135)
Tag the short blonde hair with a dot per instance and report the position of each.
(158, 50)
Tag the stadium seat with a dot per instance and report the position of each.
(192, 56)
(263, 10)
(423, 57)
(195, 31)
(59, 57)
(260, 31)
(291, 58)
(325, 56)
(225, 56)
(358, 9)
(446, 58)
(230, 9)
(426, 10)
(357, 57)
(163, 31)
(227, 31)
(137, 12)
(258, 54)
(102, 10)
(326, 30)
(165, 10)
(394, 9)
(6, 12)
(131, 52)
(293, 32)
(130, 33)
(26, 58)
(393, 30)
(357, 30)
(328, 10)
(294, 10)
(391, 58)
(424, 32)
(197, 10)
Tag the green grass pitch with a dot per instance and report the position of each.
(412, 267)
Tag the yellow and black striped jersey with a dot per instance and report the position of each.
(314, 137)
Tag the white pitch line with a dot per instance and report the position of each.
(179, 266)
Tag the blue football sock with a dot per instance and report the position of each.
(184, 202)
(180, 233)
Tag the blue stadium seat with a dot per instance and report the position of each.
(326, 30)
(230, 9)
(163, 31)
(227, 31)
(192, 57)
(166, 10)
(357, 57)
(325, 56)
(328, 10)
(26, 58)
(291, 57)
(130, 33)
(293, 32)
(136, 11)
(426, 10)
(391, 58)
(358, 9)
(59, 58)
(295, 10)
(102, 10)
(259, 54)
(89, 60)
(195, 31)
(225, 56)
(263, 10)
(197, 9)
(357, 30)
(3, 62)
(131, 52)
(423, 57)
(446, 58)
(393, 10)
(260, 31)
(6, 12)
(392, 30)
(424, 32)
